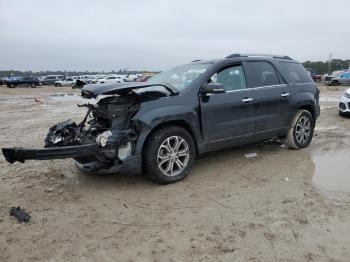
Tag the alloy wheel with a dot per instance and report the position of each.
(303, 130)
(173, 156)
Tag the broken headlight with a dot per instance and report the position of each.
(62, 134)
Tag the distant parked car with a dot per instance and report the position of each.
(89, 79)
(342, 78)
(97, 79)
(4, 80)
(12, 82)
(344, 105)
(130, 78)
(51, 79)
(142, 78)
(314, 76)
(110, 80)
(66, 82)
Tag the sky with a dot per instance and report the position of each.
(159, 34)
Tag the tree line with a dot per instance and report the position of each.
(321, 67)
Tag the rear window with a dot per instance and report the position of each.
(261, 74)
(297, 72)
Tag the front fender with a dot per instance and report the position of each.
(157, 116)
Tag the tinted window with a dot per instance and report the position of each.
(297, 72)
(232, 78)
(261, 74)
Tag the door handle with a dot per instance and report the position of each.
(285, 94)
(247, 99)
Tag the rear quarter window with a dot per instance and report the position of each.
(297, 72)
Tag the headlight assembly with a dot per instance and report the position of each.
(346, 94)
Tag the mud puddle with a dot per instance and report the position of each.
(332, 170)
(329, 98)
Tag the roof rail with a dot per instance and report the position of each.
(197, 60)
(259, 55)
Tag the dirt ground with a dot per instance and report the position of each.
(284, 205)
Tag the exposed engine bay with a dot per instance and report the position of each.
(106, 123)
(107, 134)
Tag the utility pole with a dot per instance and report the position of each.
(329, 64)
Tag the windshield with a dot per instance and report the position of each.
(180, 77)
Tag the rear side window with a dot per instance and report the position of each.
(297, 72)
(261, 74)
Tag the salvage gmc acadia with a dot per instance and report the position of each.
(160, 126)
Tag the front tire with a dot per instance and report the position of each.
(335, 83)
(302, 130)
(169, 155)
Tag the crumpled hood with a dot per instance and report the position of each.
(92, 91)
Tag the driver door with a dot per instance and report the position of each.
(227, 118)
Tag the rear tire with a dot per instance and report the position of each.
(12, 86)
(169, 155)
(301, 131)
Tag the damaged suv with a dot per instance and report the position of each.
(159, 127)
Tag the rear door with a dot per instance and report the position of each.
(271, 98)
(227, 117)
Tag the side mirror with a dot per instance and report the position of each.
(213, 88)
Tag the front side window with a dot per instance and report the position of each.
(231, 77)
(182, 76)
(346, 75)
(261, 73)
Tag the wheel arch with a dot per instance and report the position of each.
(306, 101)
(310, 109)
(180, 123)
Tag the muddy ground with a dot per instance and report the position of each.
(284, 205)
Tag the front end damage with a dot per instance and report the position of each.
(104, 141)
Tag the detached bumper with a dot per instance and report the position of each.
(21, 154)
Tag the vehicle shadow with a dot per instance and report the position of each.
(270, 156)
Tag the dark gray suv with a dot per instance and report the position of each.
(160, 126)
